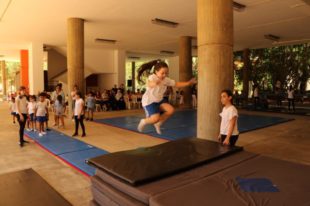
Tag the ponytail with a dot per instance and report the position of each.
(146, 68)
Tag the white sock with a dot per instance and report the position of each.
(157, 127)
(141, 125)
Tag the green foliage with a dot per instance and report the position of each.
(288, 64)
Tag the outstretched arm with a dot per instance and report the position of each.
(186, 84)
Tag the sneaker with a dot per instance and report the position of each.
(21, 144)
(141, 125)
(75, 134)
(25, 141)
(83, 135)
(34, 130)
(157, 127)
(47, 129)
(29, 130)
(40, 134)
(44, 133)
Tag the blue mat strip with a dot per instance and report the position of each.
(183, 124)
(72, 151)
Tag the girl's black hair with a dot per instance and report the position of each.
(59, 98)
(146, 68)
(79, 94)
(229, 93)
(33, 97)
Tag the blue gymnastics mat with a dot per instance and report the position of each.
(71, 150)
(78, 158)
(183, 124)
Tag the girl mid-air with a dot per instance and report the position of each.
(156, 108)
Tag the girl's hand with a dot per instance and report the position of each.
(226, 142)
(21, 118)
(193, 81)
(219, 138)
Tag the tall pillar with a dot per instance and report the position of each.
(75, 55)
(36, 71)
(185, 64)
(24, 68)
(215, 62)
(133, 76)
(245, 74)
(3, 70)
(119, 67)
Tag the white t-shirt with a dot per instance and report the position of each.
(290, 94)
(31, 107)
(227, 114)
(79, 106)
(13, 106)
(41, 109)
(22, 104)
(156, 94)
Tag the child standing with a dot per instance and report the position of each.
(290, 98)
(41, 114)
(60, 109)
(31, 109)
(21, 113)
(90, 104)
(229, 124)
(13, 109)
(79, 114)
(156, 108)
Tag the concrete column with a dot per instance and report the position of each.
(185, 63)
(3, 70)
(75, 55)
(119, 66)
(36, 71)
(215, 62)
(246, 69)
(133, 76)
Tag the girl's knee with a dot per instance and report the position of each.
(154, 118)
(170, 111)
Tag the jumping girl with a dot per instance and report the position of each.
(156, 108)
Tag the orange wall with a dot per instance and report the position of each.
(24, 64)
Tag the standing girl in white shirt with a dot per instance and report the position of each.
(156, 108)
(41, 113)
(229, 124)
(79, 114)
(31, 109)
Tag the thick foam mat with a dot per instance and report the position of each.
(183, 124)
(71, 150)
(148, 164)
(27, 188)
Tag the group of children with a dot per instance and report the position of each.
(37, 112)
